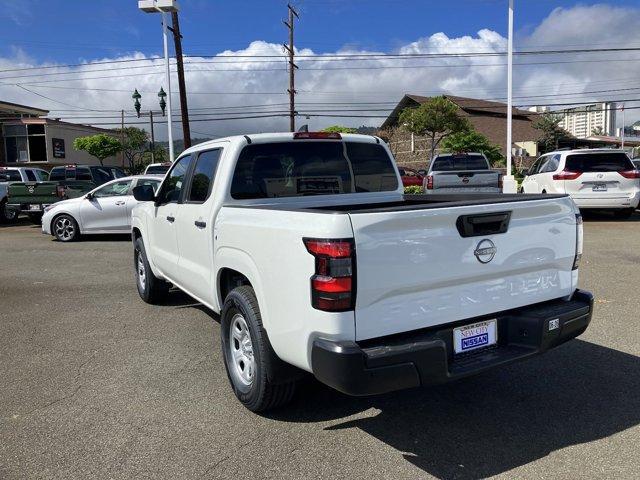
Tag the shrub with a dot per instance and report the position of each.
(413, 190)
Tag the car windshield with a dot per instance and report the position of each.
(292, 169)
(447, 163)
(598, 162)
(157, 169)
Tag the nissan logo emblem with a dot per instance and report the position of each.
(485, 251)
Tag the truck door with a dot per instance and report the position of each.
(163, 239)
(194, 227)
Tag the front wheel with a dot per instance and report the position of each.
(65, 228)
(249, 359)
(150, 288)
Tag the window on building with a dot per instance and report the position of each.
(25, 143)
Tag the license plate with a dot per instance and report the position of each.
(600, 187)
(34, 207)
(474, 336)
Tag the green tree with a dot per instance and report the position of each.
(134, 144)
(472, 141)
(551, 132)
(436, 119)
(100, 146)
(339, 129)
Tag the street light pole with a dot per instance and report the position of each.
(168, 73)
(509, 182)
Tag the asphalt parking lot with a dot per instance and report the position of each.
(96, 384)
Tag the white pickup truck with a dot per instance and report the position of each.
(316, 262)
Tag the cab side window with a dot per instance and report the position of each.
(551, 165)
(536, 165)
(203, 176)
(174, 181)
(115, 189)
(30, 175)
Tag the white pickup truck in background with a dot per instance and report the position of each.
(462, 173)
(16, 174)
(317, 263)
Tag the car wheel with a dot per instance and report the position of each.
(35, 218)
(65, 228)
(7, 215)
(249, 359)
(623, 214)
(150, 288)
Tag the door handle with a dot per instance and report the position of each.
(120, 203)
(200, 224)
(171, 219)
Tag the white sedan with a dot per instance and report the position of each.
(106, 209)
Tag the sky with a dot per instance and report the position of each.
(39, 33)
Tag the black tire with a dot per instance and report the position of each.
(623, 214)
(269, 384)
(7, 215)
(151, 289)
(36, 218)
(65, 228)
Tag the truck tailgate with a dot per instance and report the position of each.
(468, 180)
(416, 270)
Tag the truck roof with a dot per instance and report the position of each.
(277, 137)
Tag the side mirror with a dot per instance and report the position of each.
(4, 178)
(89, 196)
(144, 193)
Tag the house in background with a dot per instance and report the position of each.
(486, 117)
(27, 137)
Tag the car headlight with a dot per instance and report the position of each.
(47, 208)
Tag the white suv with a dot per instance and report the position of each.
(595, 179)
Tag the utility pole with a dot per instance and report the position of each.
(292, 68)
(153, 140)
(122, 134)
(184, 110)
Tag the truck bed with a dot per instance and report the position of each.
(409, 202)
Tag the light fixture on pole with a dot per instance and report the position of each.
(163, 103)
(136, 96)
(509, 182)
(164, 7)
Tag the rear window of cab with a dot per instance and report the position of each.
(295, 169)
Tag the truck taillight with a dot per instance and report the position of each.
(332, 285)
(429, 182)
(579, 241)
(566, 175)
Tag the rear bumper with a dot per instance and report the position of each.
(426, 357)
(623, 201)
(26, 207)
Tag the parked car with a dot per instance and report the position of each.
(157, 168)
(16, 174)
(602, 179)
(462, 173)
(70, 181)
(106, 209)
(306, 245)
(410, 177)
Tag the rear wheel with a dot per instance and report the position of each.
(624, 214)
(150, 288)
(253, 368)
(65, 228)
(7, 215)
(35, 218)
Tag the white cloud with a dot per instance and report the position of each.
(245, 83)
